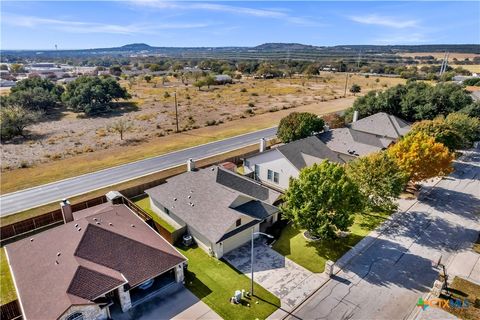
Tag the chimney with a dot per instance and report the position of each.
(114, 197)
(66, 211)
(355, 116)
(263, 145)
(190, 165)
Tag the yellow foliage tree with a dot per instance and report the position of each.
(422, 157)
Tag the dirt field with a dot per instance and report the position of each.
(440, 55)
(68, 145)
(65, 134)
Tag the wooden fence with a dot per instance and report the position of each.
(53, 218)
(11, 311)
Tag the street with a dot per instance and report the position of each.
(24, 199)
(386, 279)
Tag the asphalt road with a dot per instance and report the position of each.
(29, 198)
(386, 280)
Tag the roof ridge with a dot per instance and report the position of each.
(394, 127)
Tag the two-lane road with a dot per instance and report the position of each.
(29, 198)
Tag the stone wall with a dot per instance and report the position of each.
(93, 312)
(125, 301)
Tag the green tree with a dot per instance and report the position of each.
(322, 200)
(14, 119)
(414, 101)
(298, 125)
(440, 130)
(355, 88)
(148, 78)
(35, 94)
(199, 84)
(209, 81)
(379, 179)
(468, 128)
(115, 71)
(17, 68)
(93, 94)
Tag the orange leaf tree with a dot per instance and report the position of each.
(422, 157)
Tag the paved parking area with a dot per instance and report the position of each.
(175, 302)
(281, 276)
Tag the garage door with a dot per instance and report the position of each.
(237, 240)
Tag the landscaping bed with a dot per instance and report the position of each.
(312, 255)
(214, 282)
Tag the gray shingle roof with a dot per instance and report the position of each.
(382, 124)
(350, 142)
(257, 209)
(205, 199)
(304, 152)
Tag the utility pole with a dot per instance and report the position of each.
(346, 83)
(176, 109)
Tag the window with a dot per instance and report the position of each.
(238, 223)
(75, 316)
(257, 171)
(276, 177)
(245, 163)
(269, 175)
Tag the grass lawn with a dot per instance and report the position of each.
(144, 203)
(214, 282)
(463, 289)
(313, 254)
(7, 289)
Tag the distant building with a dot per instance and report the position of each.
(223, 79)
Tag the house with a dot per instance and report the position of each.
(274, 167)
(383, 125)
(103, 258)
(218, 207)
(223, 79)
(349, 144)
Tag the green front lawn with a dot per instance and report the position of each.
(144, 203)
(214, 282)
(7, 289)
(313, 254)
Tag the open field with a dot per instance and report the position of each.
(440, 55)
(68, 135)
(47, 172)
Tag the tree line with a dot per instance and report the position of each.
(34, 97)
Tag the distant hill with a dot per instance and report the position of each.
(271, 51)
(136, 46)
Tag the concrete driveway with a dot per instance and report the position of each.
(385, 279)
(175, 302)
(281, 276)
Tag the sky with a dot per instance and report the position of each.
(103, 24)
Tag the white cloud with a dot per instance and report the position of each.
(385, 21)
(277, 13)
(413, 38)
(91, 27)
